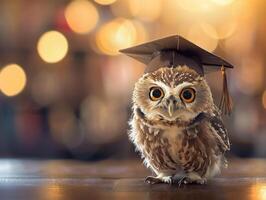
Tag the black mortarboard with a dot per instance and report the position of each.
(176, 50)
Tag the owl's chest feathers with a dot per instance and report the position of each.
(166, 138)
(174, 137)
(159, 145)
(171, 148)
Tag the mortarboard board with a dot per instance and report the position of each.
(176, 50)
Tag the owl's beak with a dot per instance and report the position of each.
(171, 105)
(171, 109)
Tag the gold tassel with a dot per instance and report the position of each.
(226, 104)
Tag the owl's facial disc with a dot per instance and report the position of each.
(172, 103)
(172, 94)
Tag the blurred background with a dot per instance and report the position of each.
(65, 91)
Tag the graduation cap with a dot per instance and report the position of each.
(175, 50)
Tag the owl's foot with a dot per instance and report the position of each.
(152, 180)
(155, 180)
(175, 180)
(187, 180)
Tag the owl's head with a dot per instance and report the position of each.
(171, 94)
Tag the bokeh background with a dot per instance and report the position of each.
(65, 91)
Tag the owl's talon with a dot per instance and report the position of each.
(187, 180)
(152, 180)
(202, 181)
(171, 181)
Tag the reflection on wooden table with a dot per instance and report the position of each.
(65, 179)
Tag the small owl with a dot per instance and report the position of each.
(176, 126)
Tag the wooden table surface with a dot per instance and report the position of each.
(65, 179)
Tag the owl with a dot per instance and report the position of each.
(176, 126)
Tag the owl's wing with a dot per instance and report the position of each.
(220, 132)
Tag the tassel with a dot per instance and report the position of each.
(226, 103)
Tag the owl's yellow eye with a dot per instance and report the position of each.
(156, 93)
(188, 95)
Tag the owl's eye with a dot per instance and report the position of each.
(188, 95)
(156, 93)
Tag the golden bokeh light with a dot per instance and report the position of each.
(223, 2)
(264, 99)
(145, 11)
(115, 35)
(81, 16)
(194, 5)
(141, 31)
(219, 31)
(200, 38)
(105, 2)
(258, 191)
(138, 9)
(121, 8)
(12, 80)
(202, 5)
(52, 46)
(104, 44)
(175, 17)
(180, 15)
(244, 32)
